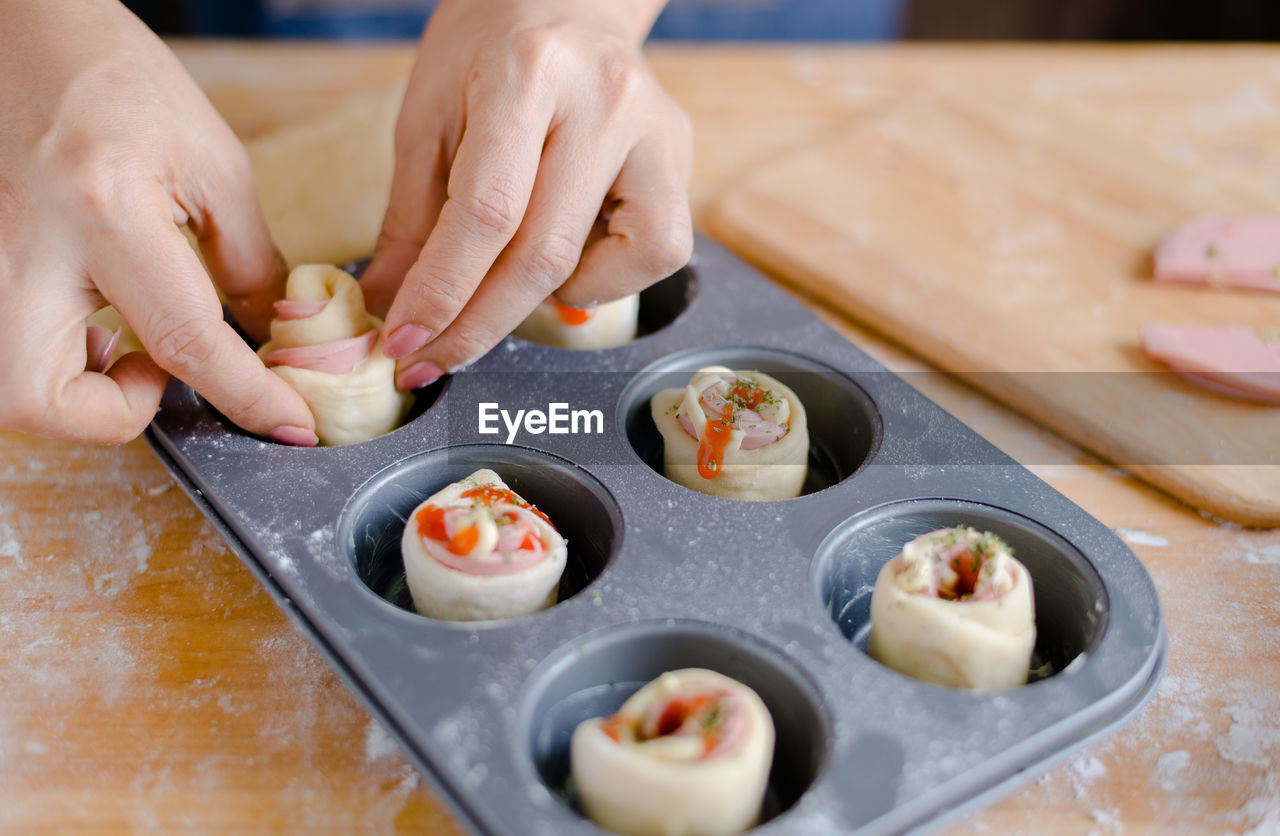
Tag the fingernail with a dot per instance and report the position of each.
(405, 340)
(296, 436)
(104, 345)
(419, 375)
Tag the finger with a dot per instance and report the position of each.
(571, 184)
(488, 190)
(650, 231)
(418, 189)
(109, 408)
(160, 289)
(232, 233)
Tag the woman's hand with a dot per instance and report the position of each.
(535, 154)
(107, 148)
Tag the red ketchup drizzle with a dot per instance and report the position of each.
(718, 431)
(490, 495)
(572, 316)
(431, 526)
(431, 523)
(674, 717)
(681, 709)
(966, 563)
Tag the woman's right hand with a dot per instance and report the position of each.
(107, 149)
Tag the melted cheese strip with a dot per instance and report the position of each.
(604, 326)
(955, 608)
(461, 579)
(356, 404)
(754, 467)
(669, 764)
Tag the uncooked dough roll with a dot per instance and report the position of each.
(687, 755)
(476, 550)
(327, 347)
(740, 435)
(955, 608)
(556, 324)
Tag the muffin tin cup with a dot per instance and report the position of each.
(594, 675)
(660, 576)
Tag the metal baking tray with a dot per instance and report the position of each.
(774, 594)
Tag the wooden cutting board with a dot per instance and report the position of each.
(1010, 245)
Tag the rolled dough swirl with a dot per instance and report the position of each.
(476, 550)
(764, 448)
(328, 348)
(604, 326)
(687, 755)
(955, 608)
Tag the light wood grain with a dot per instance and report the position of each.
(149, 684)
(1011, 244)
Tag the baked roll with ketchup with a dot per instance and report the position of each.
(476, 550)
(740, 435)
(687, 755)
(329, 348)
(556, 324)
(955, 608)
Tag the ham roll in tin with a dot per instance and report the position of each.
(328, 348)
(556, 324)
(687, 755)
(955, 608)
(740, 435)
(476, 550)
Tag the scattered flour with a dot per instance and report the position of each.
(1252, 733)
(1108, 820)
(1139, 537)
(1085, 770)
(1250, 551)
(378, 743)
(1168, 767)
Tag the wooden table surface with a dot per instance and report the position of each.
(146, 682)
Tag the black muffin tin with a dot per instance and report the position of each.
(774, 594)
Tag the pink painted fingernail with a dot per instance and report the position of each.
(405, 340)
(419, 375)
(102, 344)
(296, 436)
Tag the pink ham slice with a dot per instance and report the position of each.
(288, 309)
(1224, 250)
(755, 435)
(1230, 360)
(337, 357)
(521, 559)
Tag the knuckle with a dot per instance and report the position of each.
(441, 292)
(90, 173)
(466, 346)
(552, 256)
(534, 47)
(621, 81)
(666, 248)
(493, 208)
(186, 345)
(250, 407)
